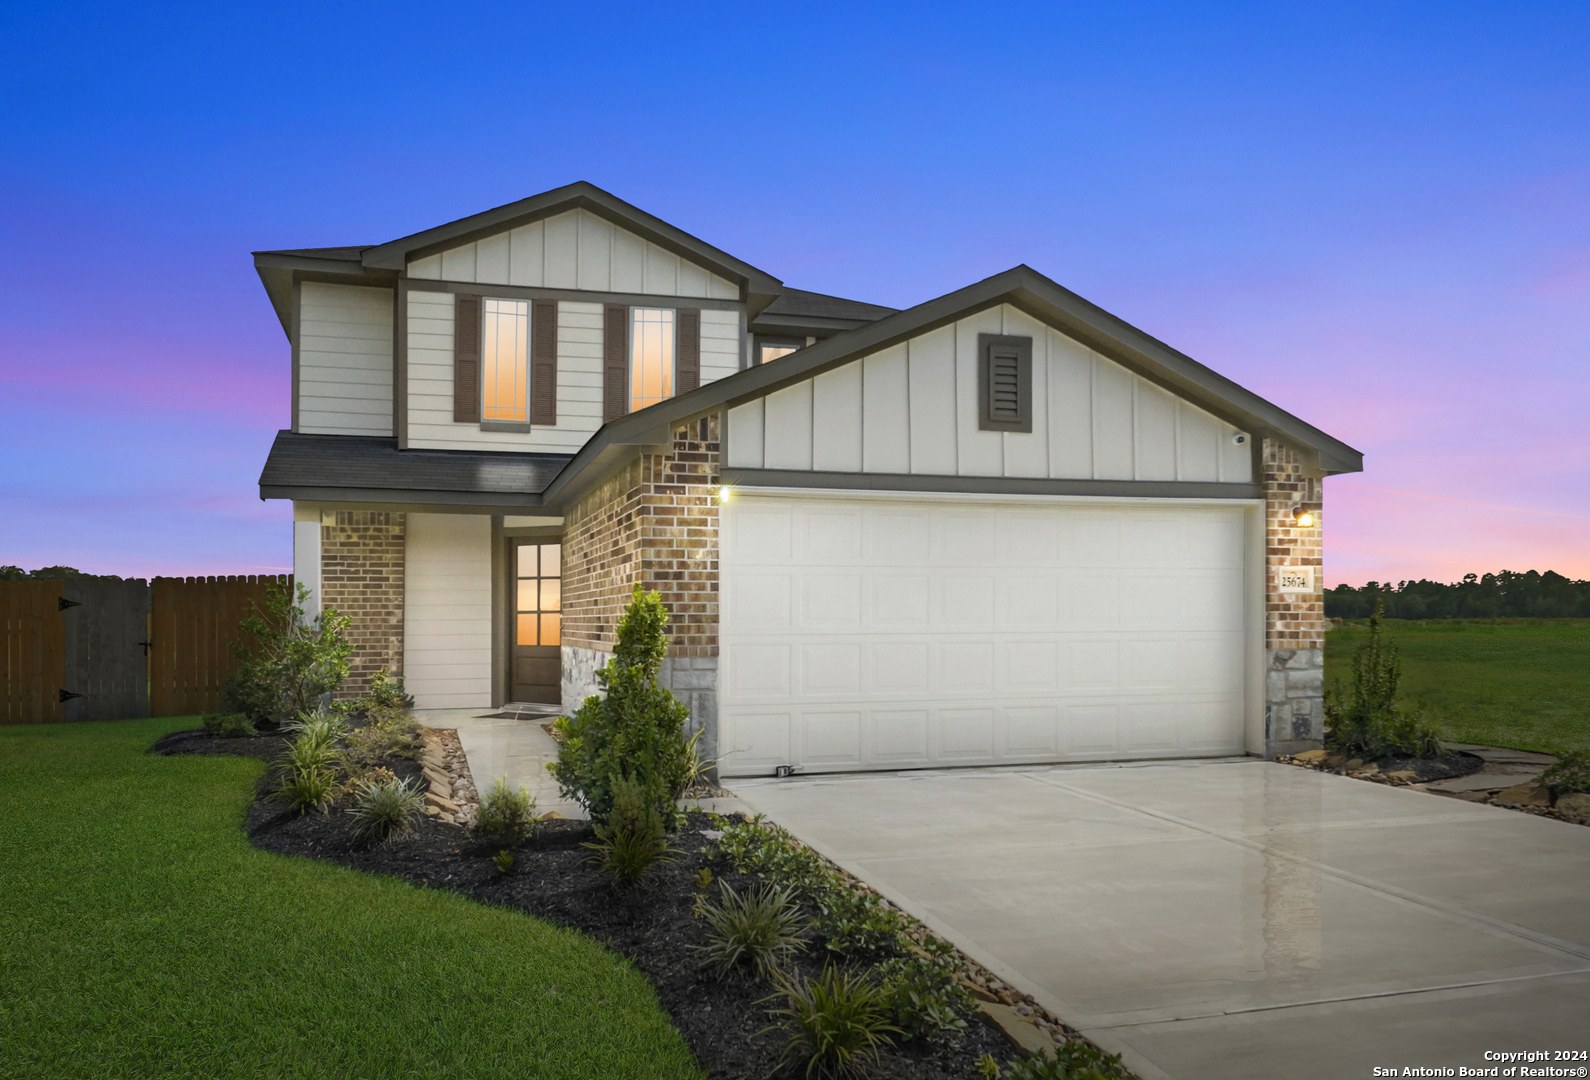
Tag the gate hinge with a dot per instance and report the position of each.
(147, 646)
(66, 695)
(62, 603)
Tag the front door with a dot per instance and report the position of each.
(537, 622)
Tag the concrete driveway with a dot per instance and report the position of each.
(1233, 920)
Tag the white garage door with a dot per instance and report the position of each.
(867, 633)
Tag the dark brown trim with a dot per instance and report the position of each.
(577, 296)
(687, 350)
(404, 498)
(615, 362)
(544, 362)
(296, 337)
(989, 485)
(466, 358)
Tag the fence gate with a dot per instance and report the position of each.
(32, 671)
(106, 642)
(194, 619)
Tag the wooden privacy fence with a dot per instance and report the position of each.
(193, 621)
(86, 649)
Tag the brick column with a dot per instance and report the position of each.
(655, 522)
(1294, 622)
(361, 575)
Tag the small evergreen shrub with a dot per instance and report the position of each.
(386, 696)
(309, 789)
(1570, 775)
(230, 725)
(296, 661)
(632, 841)
(924, 992)
(309, 771)
(634, 733)
(858, 925)
(386, 809)
(503, 861)
(383, 734)
(509, 813)
(769, 852)
(836, 1024)
(759, 930)
(1364, 718)
(1068, 1061)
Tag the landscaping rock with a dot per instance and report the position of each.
(1575, 808)
(441, 801)
(1403, 776)
(979, 992)
(1309, 757)
(1353, 765)
(1021, 1031)
(1530, 794)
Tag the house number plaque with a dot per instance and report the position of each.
(1294, 579)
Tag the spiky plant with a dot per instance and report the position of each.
(836, 1023)
(386, 809)
(759, 930)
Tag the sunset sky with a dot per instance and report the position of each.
(1377, 216)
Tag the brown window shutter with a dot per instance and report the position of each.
(466, 359)
(544, 362)
(687, 350)
(615, 361)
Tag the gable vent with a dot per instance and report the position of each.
(1005, 383)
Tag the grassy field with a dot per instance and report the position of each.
(142, 936)
(1520, 683)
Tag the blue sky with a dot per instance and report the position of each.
(1377, 216)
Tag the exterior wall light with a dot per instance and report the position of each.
(724, 493)
(1303, 518)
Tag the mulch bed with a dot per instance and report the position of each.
(1450, 764)
(724, 1021)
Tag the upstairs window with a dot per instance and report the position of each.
(504, 361)
(651, 357)
(770, 349)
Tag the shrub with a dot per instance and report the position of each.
(296, 661)
(507, 812)
(386, 696)
(308, 789)
(767, 851)
(395, 734)
(836, 1023)
(632, 840)
(308, 771)
(635, 733)
(1068, 1061)
(857, 924)
(1364, 718)
(1570, 775)
(386, 809)
(230, 725)
(923, 991)
(759, 930)
(503, 861)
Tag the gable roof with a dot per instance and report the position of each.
(1021, 287)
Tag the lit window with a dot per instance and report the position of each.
(505, 346)
(538, 603)
(651, 357)
(769, 349)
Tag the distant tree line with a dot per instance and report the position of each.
(1506, 595)
(50, 573)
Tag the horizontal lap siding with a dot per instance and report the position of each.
(912, 408)
(344, 360)
(447, 610)
(720, 344)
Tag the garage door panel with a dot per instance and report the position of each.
(966, 735)
(830, 603)
(871, 635)
(831, 738)
(900, 737)
(899, 667)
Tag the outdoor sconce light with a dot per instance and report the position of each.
(1302, 517)
(723, 494)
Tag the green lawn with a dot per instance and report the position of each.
(142, 936)
(1520, 683)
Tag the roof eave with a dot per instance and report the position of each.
(278, 270)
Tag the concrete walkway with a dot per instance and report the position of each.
(1239, 920)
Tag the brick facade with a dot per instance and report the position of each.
(1294, 623)
(361, 575)
(655, 522)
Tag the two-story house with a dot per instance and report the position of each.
(1000, 526)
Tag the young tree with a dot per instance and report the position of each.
(296, 660)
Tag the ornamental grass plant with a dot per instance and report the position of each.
(760, 930)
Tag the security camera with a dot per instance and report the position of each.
(1239, 438)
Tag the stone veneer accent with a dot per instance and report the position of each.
(361, 575)
(669, 502)
(1294, 624)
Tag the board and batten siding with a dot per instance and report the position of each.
(447, 611)
(912, 409)
(344, 360)
(574, 250)
(430, 377)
